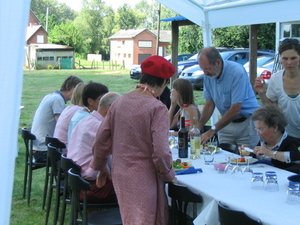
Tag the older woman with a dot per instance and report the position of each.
(275, 142)
(182, 93)
(135, 131)
(284, 86)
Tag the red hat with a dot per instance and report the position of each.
(158, 66)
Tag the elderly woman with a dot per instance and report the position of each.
(135, 132)
(275, 142)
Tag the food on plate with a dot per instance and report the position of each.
(239, 160)
(178, 164)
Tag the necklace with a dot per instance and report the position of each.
(147, 88)
(271, 147)
(87, 109)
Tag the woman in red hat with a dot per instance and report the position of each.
(135, 132)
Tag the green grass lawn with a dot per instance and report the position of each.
(36, 84)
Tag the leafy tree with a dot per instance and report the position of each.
(90, 23)
(190, 39)
(126, 17)
(67, 34)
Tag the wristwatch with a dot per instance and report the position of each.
(214, 128)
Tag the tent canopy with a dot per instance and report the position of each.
(226, 13)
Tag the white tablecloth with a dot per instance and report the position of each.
(236, 192)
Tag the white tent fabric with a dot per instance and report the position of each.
(14, 16)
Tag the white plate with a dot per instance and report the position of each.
(252, 160)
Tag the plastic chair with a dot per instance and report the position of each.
(181, 196)
(54, 156)
(229, 147)
(30, 164)
(60, 146)
(65, 165)
(229, 216)
(105, 217)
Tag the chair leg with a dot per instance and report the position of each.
(46, 185)
(57, 200)
(49, 199)
(29, 185)
(25, 179)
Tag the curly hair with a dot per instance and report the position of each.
(271, 115)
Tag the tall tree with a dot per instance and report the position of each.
(90, 24)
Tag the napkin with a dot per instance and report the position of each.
(189, 171)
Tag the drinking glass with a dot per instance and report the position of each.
(257, 182)
(172, 139)
(292, 196)
(247, 171)
(271, 183)
(208, 157)
(236, 170)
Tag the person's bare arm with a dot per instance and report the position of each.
(56, 116)
(259, 87)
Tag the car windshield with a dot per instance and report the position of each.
(194, 57)
(261, 61)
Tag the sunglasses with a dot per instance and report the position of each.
(290, 41)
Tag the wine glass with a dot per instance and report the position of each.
(247, 168)
(237, 170)
(228, 166)
(172, 139)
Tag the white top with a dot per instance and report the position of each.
(290, 106)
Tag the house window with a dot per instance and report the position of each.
(39, 58)
(124, 55)
(129, 55)
(40, 39)
(291, 30)
(123, 42)
(145, 44)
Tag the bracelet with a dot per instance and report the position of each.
(274, 154)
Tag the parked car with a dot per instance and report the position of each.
(135, 72)
(264, 67)
(194, 60)
(195, 74)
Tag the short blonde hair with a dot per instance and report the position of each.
(77, 94)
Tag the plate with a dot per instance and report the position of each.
(188, 163)
(252, 160)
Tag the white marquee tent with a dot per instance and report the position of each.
(13, 18)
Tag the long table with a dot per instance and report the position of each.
(236, 192)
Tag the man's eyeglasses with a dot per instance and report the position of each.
(290, 41)
(260, 130)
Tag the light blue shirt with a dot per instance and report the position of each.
(232, 87)
(79, 115)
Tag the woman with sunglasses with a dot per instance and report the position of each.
(284, 86)
(275, 144)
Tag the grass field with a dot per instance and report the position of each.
(36, 84)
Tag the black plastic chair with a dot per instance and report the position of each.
(229, 216)
(181, 196)
(106, 217)
(65, 165)
(54, 156)
(30, 164)
(229, 147)
(60, 146)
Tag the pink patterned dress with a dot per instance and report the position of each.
(135, 131)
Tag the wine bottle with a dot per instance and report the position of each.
(182, 140)
(195, 140)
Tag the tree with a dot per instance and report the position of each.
(128, 18)
(67, 34)
(90, 24)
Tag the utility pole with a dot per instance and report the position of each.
(47, 13)
(158, 30)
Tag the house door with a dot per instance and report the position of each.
(142, 57)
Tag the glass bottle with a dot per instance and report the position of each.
(195, 140)
(183, 140)
(186, 115)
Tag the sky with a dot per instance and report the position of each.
(76, 4)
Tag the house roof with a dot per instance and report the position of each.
(51, 46)
(31, 30)
(165, 35)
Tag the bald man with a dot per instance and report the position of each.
(227, 87)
